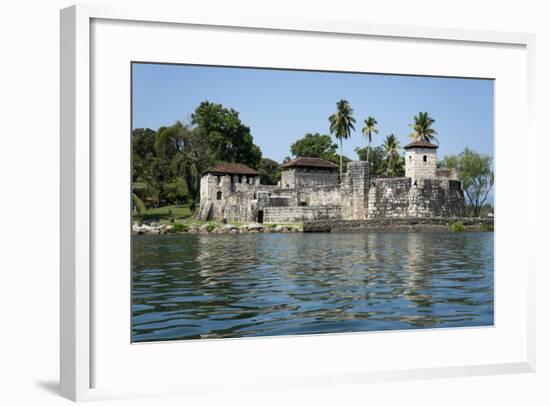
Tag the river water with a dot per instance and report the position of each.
(193, 286)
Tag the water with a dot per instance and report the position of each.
(214, 286)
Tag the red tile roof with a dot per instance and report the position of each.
(231, 169)
(310, 162)
(420, 144)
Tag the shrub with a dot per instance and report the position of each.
(210, 227)
(180, 228)
(457, 227)
(272, 225)
(488, 227)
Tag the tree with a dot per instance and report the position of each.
(270, 171)
(368, 130)
(477, 177)
(377, 164)
(315, 145)
(391, 150)
(171, 140)
(228, 138)
(341, 124)
(422, 128)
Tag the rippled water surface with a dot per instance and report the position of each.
(214, 286)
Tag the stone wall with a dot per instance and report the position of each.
(359, 196)
(354, 191)
(299, 214)
(308, 177)
(400, 198)
(319, 196)
(396, 224)
(389, 197)
(416, 167)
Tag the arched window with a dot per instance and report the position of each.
(425, 158)
(219, 195)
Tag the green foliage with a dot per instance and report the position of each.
(475, 172)
(315, 145)
(271, 225)
(210, 227)
(175, 191)
(270, 171)
(369, 129)
(394, 162)
(168, 163)
(377, 162)
(318, 146)
(488, 227)
(422, 128)
(167, 213)
(341, 124)
(457, 227)
(180, 228)
(229, 139)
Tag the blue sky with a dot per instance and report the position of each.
(281, 106)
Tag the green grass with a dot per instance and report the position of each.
(488, 227)
(457, 227)
(162, 213)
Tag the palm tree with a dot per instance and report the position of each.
(341, 124)
(368, 130)
(391, 149)
(422, 130)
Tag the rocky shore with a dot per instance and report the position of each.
(433, 224)
(212, 228)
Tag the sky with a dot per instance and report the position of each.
(281, 106)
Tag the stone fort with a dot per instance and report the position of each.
(310, 189)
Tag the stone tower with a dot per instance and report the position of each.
(420, 161)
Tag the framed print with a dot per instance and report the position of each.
(249, 209)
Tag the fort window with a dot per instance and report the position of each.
(240, 179)
(425, 158)
(254, 195)
(303, 204)
(219, 195)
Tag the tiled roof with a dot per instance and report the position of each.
(231, 169)
(420, 144)
(310, 162)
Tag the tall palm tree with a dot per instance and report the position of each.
(368, 130)
(341, 124)
(422, 128)
(391, 150)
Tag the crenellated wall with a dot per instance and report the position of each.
(400, 198)
(299, 214)
(429, 193)
(308, 177)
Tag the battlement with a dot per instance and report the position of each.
(314, 192)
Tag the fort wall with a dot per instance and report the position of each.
(299, 214)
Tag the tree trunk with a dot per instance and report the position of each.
(368, 150)
(340, 159)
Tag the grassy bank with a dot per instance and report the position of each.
(165, 214)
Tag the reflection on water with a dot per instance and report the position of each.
(213, 286)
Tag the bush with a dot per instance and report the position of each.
(272, 225)
(457, 227)
(210, 227)
(180, 228)
(488, 227)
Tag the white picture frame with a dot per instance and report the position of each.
(77, 217)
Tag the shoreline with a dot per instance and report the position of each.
(428, 224)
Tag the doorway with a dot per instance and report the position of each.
(260, 216)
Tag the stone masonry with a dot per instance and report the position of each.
(310, 190)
